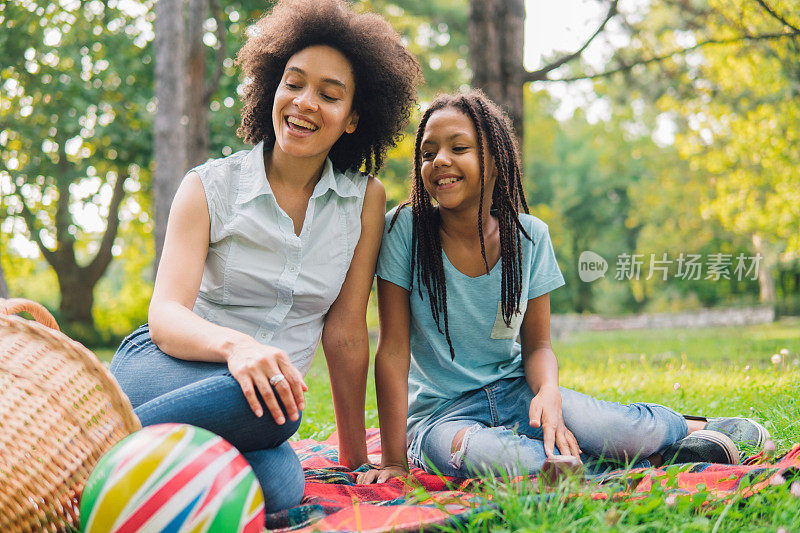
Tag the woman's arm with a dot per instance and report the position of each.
(173, 326)
(391, 380)
(344, 336)
(541, 372)
(179, 332)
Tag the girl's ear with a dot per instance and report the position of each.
(493, 173)
(352, 124)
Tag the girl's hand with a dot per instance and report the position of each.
(252, 365)
(381, 475)
(545, 412)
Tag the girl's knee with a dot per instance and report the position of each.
(461, 444)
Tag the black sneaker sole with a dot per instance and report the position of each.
(702, 446)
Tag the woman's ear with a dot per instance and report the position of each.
(352, 124)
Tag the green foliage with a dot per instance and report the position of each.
(436, 33)
(86, 82)
(743, 129)
(74, 120)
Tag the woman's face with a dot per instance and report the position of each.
(313, 103)
(450, 155)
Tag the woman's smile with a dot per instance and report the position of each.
(300, 127)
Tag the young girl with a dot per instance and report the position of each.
(271, 249)
(458, 281)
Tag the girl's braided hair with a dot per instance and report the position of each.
(493, 129)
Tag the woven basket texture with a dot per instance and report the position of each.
(60, 410)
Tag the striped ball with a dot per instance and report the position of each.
(172, 478)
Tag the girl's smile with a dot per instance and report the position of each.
(446, 181)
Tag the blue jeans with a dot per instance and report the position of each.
(499, 438)
(163, 388)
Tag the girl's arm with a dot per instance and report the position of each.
(541, 372)
(391, 381)
(179, 332)
(344, 336)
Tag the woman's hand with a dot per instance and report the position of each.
(252, 365)
(545, 412)
(382, 474)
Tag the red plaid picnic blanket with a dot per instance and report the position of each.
(333, 502)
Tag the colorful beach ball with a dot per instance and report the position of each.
(172, 478)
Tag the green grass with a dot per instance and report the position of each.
(720, 371)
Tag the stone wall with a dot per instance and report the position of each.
(563, 325)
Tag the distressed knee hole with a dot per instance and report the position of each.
(457, 441)
(460, 445)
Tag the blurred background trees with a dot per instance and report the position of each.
(683, 140)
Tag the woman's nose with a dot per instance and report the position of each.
(305, 101)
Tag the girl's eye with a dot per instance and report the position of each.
(459, 148)
(291, 85)
(330, 98)
(427, 156)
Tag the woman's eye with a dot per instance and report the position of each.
(330, 98)
(459, 148)
(427, 155)
(291, 85)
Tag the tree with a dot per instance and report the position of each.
(496, 44)
(741, 133)
(169, 124)
(72, 137)
(199, 88)
(496, 40)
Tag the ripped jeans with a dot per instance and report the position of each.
(499, 438)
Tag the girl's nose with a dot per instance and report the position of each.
(441, 160)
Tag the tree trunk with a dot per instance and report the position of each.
(77, 299)
(767, 293)
(196, 101)
(496, 37)
(169, 127)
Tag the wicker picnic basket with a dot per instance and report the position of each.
(60, 410)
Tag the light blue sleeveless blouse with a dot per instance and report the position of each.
(259, 277)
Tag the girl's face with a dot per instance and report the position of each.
(450, 169)
(313, 104)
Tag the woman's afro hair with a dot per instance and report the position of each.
(386, 75)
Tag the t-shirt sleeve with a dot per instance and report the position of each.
(394, 260)
(545, 274)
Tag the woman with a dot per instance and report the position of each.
(271, 249)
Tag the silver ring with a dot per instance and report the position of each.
(277, 378)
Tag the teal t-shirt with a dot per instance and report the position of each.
(486, 349)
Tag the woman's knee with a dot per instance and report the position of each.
(280, 474)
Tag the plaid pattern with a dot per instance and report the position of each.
(333, 502)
